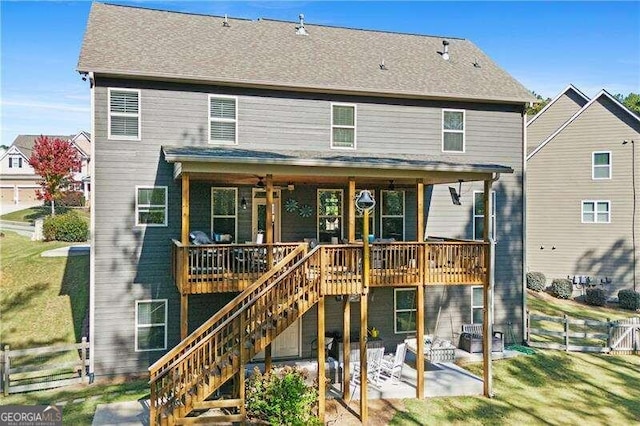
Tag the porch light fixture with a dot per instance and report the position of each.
(243, 203)
(455, 195)
(290, 186)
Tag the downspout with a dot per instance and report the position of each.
(488, 330)
(524, 222)
(92, 229)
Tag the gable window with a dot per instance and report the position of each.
(343, 126)
(224, 211)
(478, 215)
(223, 123)
(329, 214)
(404, 310)
(360, 218)
(596, 211)
(151, 325)
(151, 205)
(477, 305)
(15, 162)
(453, 130)
(601, 165)
(124, 114)
(392, 215)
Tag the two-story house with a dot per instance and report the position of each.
(18, 180)
(260, 134)
(582, 203)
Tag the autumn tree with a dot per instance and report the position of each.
(55, 160)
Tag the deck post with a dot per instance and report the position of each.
(184, 299)
(322, 388)
(364, 409)
(351, 195)
(346, 348)
(269, 240)
(420, 210)
(420, 342)
(487, 318)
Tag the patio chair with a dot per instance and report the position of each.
(254, 258)
(391, 366)
(374, 365)
(471, 339)
(209, 260)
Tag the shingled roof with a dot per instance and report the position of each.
(155, 44)
(25, 143)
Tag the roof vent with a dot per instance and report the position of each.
(476, 64)
(445, 50)
(225, 23)
(383, 66)
(300, 30)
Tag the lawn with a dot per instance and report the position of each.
(31, 214)
(43, 301)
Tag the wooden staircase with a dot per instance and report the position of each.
(182, 381)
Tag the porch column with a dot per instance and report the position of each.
(269, 241)
(420, 342)
(364, 409)
(322, 388)
(184, 238)
(351, 196)
(346, 348)
(487, 318)
(420, 210)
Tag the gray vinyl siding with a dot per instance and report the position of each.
(134, 262)
(554, 117)
(559, 178)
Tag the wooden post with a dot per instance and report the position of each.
(243, 360)
(5, 371)
(351, 196)
(184, 299)
(346, 348)
(364, 411)
(420, 210)
(83, 359)
(609, 333)
(566, 333)
(267, 358)
(270, 221)
(322, 388)
(487, 320)
(420, 342)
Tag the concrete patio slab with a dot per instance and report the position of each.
(129, 413)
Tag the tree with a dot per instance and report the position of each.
(55, 160)
(538, 105)
(631, 101)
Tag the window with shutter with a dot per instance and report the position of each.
(15, 162)
(124, 114)
(223, 123)
(453, 123)
(343, 126)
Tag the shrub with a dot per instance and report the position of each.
(595, 297)
(65, 227)
(281, 397)
(629, 299)
(561, 288)
(536, 281)
(71, 199)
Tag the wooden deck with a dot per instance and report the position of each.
(200, 269)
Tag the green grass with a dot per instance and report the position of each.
(545, 304)
(550, 387)
(43, 301)
(80, 401)
(31, 214)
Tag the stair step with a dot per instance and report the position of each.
(217, 403)
(208, 420)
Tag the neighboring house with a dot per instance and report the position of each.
(225, 126)
(18, 180)
(580, 191)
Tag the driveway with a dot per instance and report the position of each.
(10, 206)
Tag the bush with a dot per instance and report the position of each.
(629, 299)
(536, 281)
(65, 227)
(595, 297)
(562, 288)
(281, 397)
(71, 199)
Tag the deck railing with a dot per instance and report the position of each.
(226, 268)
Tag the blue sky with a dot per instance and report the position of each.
(545, 45)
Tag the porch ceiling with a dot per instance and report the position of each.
(235, 165)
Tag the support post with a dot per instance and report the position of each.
(267, 358)
(420, 342)
(351, 195)
(322, 388)
(184, 298)
(270, 221)
(185, 209)
(487, 318)
(420, 210)
(184, 316)
(364, 409)
(5, 371)
(346, 348)
(83, 359)
(243, 360)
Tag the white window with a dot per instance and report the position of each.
(223, 123)
(596, 211)
(15, 162)
(392, 215)
(329, 214)
(601, 165)
(151, 205)
(124, 114)
(478, 215)
(477, 305)
(404, 310)
(453, 124)
(224, 211)
(151, 325)
(360, 217)
(343, 126)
